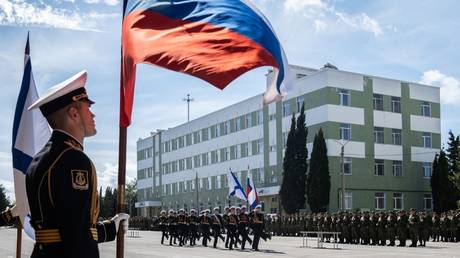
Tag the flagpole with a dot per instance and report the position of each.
(19, 239)
(121, 188)
(121, 162)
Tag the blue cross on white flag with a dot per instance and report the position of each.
(234, 187)
(30, 134)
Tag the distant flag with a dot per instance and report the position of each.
(30, 133)
(251, 191)
(234, 187)
(216, 41)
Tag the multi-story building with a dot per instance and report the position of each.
(390, 128)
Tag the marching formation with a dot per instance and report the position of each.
(374, 228)
(182, 228)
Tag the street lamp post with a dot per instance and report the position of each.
(342, 169)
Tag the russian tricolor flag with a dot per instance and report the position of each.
(251, 191)
(216, 41)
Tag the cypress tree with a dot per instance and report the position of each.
(301, 158)
(113, 207)
(288, 191)
(453, 148)
(101, 203)
(108, 200)
(442, 187)
(319, 180)
(435, 187)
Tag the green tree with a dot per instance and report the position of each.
(288, 193)
(131, 197)
(301, 158)
(443, 190)
(318, 179)
(113, 206)
(453, 153)
(101, 203)
(108, 203)
(4, 201)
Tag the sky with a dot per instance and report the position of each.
(415, 41)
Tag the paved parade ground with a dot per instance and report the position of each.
(147, 245)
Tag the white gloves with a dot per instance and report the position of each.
(121, 218)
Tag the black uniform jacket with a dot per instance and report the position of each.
(61, 186)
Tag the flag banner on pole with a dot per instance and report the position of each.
(234, 187)
(216, 41)
(251, 191)
(30, 134)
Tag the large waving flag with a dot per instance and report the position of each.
(251, 191)
(234, 187)
(216, 41)
(30, 133)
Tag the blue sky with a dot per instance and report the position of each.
(408, 40)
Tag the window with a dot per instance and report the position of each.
(181, 164)
(181, 141)
(344, 97)
(426, 169)
(397, 168)
(217, 128)
(237, 150)
(188, 163)
(204, 135)
(299, 102)
(259, 147)
(398, 201)
(214, 157)
(378, 102)
(378, 135)
(188, 139)
(248, 120)
(348, 200)
(204, 159)
(286, 108)
(237, 124)
(347, 166)
(396, 104)
(174, 144)
(379, 201)
(426, 137)
(396, 137)
(224, 154)
(260, 117)
(226, 127)
(345, 132)
(244, 149)
(427, 202)
(379, 167)
(426, 109)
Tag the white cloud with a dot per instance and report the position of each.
(21, 13)
(299, 5)
(320, 25)
(450, 86)
(107, 2)
(108, 176)
(361, 22)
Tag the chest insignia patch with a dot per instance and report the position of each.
(80, 179)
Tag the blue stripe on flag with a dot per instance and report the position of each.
(21, 161)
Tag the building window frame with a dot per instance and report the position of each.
(396, 136)
(379, 135)
(427, 199)
(377, 102)
(425, 109)
(345, 132)
(397, 168)
(426, 140)
(379, 201)
(379, 167)
(427, 169)
(345, 97)
(396, 104)
(398, 201)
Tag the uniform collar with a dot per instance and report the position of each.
(71, 140)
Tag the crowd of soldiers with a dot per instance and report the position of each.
(373, 228)
(184, 228)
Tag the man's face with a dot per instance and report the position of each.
(87, 119)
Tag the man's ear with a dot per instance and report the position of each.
(72, 112)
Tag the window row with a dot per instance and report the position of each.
(380, 201)
(214, 131)
(242, 150)
(379, 167)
